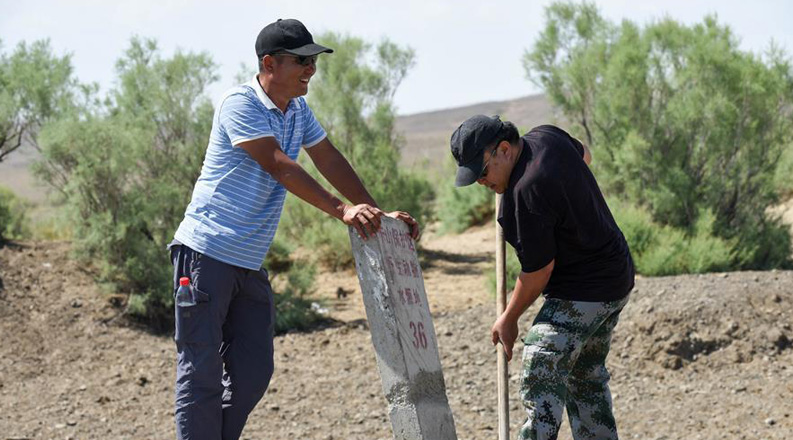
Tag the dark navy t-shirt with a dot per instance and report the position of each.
(553, 209)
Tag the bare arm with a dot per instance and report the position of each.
(587, 153)
(268, 154)
(335, 167)
(528, 288)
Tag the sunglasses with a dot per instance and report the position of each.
(302, 60)
(484, 168)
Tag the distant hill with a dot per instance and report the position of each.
(427, 134)
(426, 139)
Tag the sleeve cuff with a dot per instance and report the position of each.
(526, 268)
(321, 138)
(238, 141)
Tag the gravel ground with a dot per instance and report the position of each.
(694, 357)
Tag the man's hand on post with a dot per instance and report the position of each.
(411, 222)
(505, 330)
(364, 218)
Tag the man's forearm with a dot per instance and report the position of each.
(298, 182)
(335, 167)
(341, 175)
(528, 288)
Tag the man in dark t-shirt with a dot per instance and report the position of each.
(570, 250)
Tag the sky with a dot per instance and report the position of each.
(466, 51)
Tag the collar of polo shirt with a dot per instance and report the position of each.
(268, 103)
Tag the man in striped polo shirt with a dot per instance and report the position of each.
(225, 342)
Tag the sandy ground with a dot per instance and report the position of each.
(694, 357)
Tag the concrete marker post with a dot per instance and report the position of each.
(403, 334)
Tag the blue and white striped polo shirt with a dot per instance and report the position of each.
(236, 205)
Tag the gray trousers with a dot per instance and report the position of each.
(224, 346)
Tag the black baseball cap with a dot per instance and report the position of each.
(287, 36)
(468, 145)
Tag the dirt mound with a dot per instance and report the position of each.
(716, 319)
(702, 357)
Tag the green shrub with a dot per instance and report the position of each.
(294, 309)
(665, 250)
(680, 121)
(783, 180)
(124, 170)
(460, 208)
(50, 224)
(293, 313)
(36, 87)
(278, 259)
(300, 278)
(13, 216)
(766, 246)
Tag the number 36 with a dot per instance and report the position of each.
(419, 337)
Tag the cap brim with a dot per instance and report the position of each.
(469, 173)
(309, 50)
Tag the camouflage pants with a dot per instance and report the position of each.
(564, 366)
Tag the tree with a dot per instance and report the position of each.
(683, 122)
(126, 171)
(352, 96)
(36, 86)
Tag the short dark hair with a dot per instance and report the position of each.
(508, 132)
(261, 61)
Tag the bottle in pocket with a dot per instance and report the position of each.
(184, 295)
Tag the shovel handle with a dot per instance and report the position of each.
(501, 304)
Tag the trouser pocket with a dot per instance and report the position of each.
(200, 323)
(193, 323)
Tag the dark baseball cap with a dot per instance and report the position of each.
(468, 145)
(287, 36)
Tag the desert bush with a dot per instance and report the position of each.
(665, 250)
(680, 120)
(294, 310)
(783, 181)
(124, 171)
(49, 223)
(458, 209)
(13, 216)
(294, 313)
(293, 305)
(279, 257)
(36, 86)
